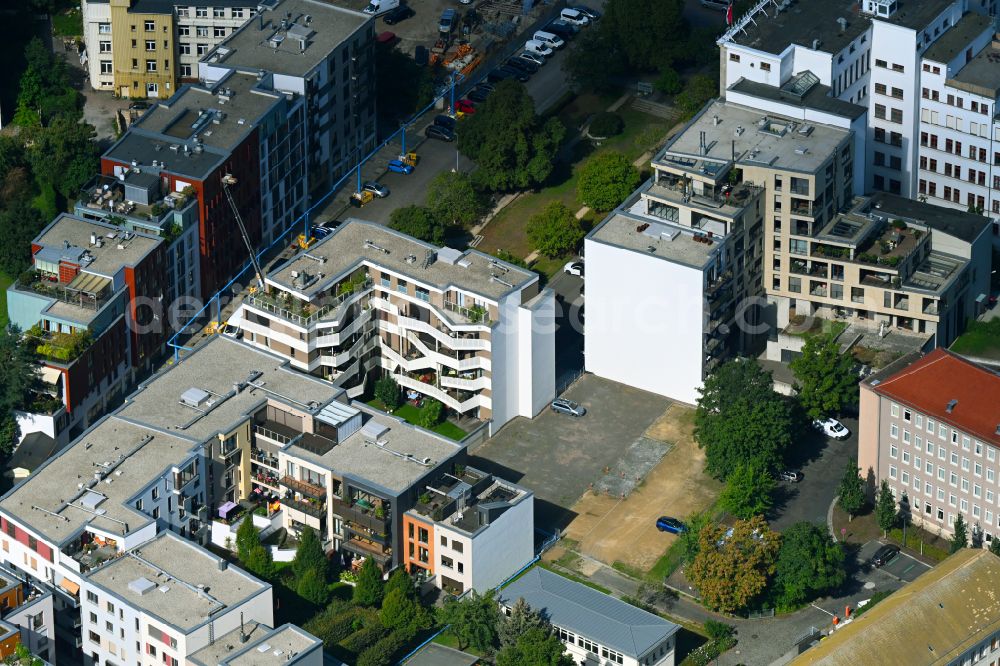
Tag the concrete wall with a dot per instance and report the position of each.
(504, 547)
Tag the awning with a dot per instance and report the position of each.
(89, 283)
(50, 376)
(226, 508)
(69, 586)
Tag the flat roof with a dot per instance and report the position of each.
(586, 612)
(818, 97)
(758, 139)
(435, 654)
(215, 367)
(981, 75)
(263, 646)
(916, 14)
(115, 253)
(958, 223)
(195, 130)
(261, 43)
(932, 620)
(802, 23)
(357, 241)
(189, 584)
(958, 37)
(389, 465)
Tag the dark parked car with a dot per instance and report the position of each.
(479, 95)
(592, 14)
(514, 73)
(884, 555)
(523, 65)
(562, 29)
(501, 74)
(446, 122)
(672, 525)
(140, 105)
(421, 55)
(439, 133)
(398, 14)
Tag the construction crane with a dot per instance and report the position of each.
(227, 181)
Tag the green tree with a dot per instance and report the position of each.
(650, 33)
(698, 90)
(995, 546)
(260, 562)
(606, 180)
(401, 612)
(606, 123)
(535, 647)
(885, 508)
(312, 587)
(741, 419)
(400, 580)
(690, 540)
(45, 90)
(732, 568)
(370, 588)
(17, 371)
(472, 620)
(555, 231)
(595, 62)
(810, 564)
(669, 81)
(419, 222)
(825, 378)
(522, 618)
(20, 222)
(10, 433)
(960, 537)
(748, 491)
(387, 392)
(430, 413)
(309, 556)
(452, 197)
(247, 537)
(513, 148)
(852, 490)
(64, 155)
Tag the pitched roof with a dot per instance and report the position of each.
(931, 383)
(586, 612)
(932, 620)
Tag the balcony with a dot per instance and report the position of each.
(724, 195)
(276, 432)
(63, 348)
(105, 198)
(360, 515)
(377, 536)
(475, 315)
(308, 508)
(264, 478)
(304, 487)
(262, 458)
(368, 549)
(284, 306)
(86, 297)
(802, 208)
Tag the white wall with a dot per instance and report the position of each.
(34, 637)
(505, 546)
(95, 13)
(536, 354)
(645, 321)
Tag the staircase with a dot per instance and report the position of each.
(654, 108)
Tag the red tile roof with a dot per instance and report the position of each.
(929, 384)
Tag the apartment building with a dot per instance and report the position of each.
(469, 531)
(83, 305)
(147, 48)
(946, 616)
(256, 644)
(595, 627)
(463, 328)
(26, 618)
(930, 426)
(886, 262)
(323, 54)
(184, 147)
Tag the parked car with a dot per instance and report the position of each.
(574, 268)
(139, 105)
(832, 428)
(525, 66)
(320, 232)
(465, 105)
(564, 406)
(574, 17)
(548, 39)
(398, 14)
(399, 167)
(536, 58)
(479, 94)
(498, 75)
(421, 55)
(378, 189)
(592, 14)
(562, 29)
(446, 122)
(229, 330)
(540, 48)
(516, 74)
(884, 555)
(672, 525)
(439, 133)
(791, 476)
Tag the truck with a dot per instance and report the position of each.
(379, 7)
(449, 19)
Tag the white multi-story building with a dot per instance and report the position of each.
(595, 627)
(96, 16)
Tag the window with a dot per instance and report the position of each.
(185, 49)
(91, 597)
(896, 115)
(183, 31)
(894, 431)
(94, 637)
(106, 67)
(201, 31)
(185, 71)
(892, 471)
(218, 12)
(457, 546)
(894, 410)
(104, 28)
(219, 31)
(881, 63)
(201, 12)
(444, 540)
(880, 111)
(734, 57)
(898, 68)
(150, 65)
(893, 451)
(202, 49)
(422, 535)
(149, 26)
(765, 67)
(447, 562)
(238, 12)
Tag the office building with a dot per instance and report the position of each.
(594, 627)
(463, 328)
(930, 426)
(469, 531)
(256, 644)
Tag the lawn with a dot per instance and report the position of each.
(67, 23)
(981, 338)
(411, 414)
(447, 640)
(4, 283)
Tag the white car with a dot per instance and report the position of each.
(548, 39)
(833, 428)
(536, 47)
(574, 268)
(230, 331)
(536, 58)
(574, 17)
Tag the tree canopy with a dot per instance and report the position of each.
(885, 508)
(748, 491)
(247, 537)
(650, 33)
(522, 618)
(512, 147)
(419, 222)
(535, 647)
(370, 588)
(309, 556)
(472, 620)
(452, 198)
(387, 391)
(731, 571)
(741, 419)
(852, 490)
(555, 231)
(810, 564)
(825, 378)
(595, 61)
(606, 179)
(960, 536)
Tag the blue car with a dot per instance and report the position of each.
(399, 167)
(320, 232)
(672, 525)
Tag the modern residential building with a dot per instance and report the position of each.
(255, 644)
(184, 147)
(595, 627)
(469, 531)
(322, 53)
(463, 328)
(700, 237)
(147, 48)
(930, 426)
(86, 306)
(26, 618)
(948, 615)
(885, 262)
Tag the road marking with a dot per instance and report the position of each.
(823, 609)
(906, 569)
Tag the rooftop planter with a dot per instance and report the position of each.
(62, 347)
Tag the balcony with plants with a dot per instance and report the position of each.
(325, 306)
(103, 198)
(59, 348)
(728, 195)
(49, 286)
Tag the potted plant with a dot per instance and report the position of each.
(425, 498)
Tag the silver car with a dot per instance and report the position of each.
(376, 188)
(564, 406)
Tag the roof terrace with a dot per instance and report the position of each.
(136, 199)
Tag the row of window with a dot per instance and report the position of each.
(938, 512)
(890, 114)
(764, 66)
(201, 31)
(882, 89)
(895, 67)
(200, 49)
(956, 123)
(217, 12)
(853, 73)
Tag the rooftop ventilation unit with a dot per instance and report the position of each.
(141, 586)
(951, 406)
(496, 278)
(801, 150)
(806, 130)
(195, 397)
(371, 245)
(411, 259)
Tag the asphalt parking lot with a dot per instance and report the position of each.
(903, 567)
(558, 456)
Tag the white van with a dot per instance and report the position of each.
(540, 48)
(574, 17)
(548, 39)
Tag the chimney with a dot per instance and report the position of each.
(816, 44)
(951, 406)
(243, 635)
(842, 22)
